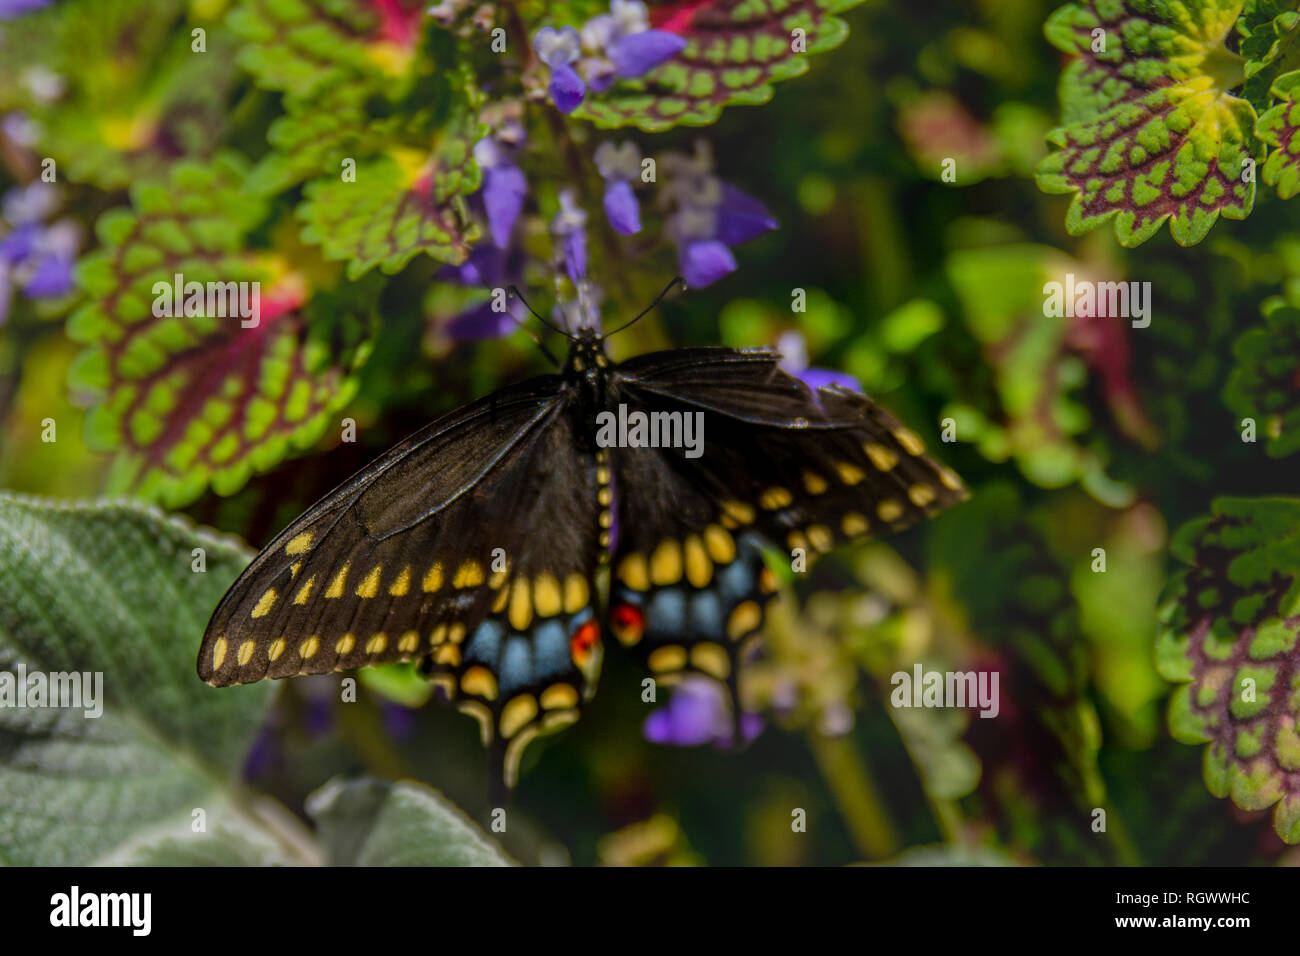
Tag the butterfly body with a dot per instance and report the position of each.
(474, 547)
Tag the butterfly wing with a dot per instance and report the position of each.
(780, 464)
(470, 546)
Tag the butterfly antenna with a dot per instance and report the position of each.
(514, 290)
(677, 280)
(535, 337)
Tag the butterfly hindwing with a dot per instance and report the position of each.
(778, 464)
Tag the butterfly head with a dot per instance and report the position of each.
(587, 356)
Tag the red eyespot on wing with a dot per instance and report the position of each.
(628, 623)
(583, 641)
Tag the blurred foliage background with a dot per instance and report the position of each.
(1073, 434)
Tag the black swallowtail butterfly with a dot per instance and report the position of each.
(475, 546)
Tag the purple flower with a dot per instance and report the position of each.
(487, 268)
(618, 166)
(698, 713)
(624, 36)
(794, 359)
(558, 49)
(12, 9)
(35, 257)
(504, 185)
(399, 721)
(570, 229)
(709, 218)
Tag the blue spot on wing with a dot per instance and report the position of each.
(485, 643)
(666, 612)
(706, 613)
(516, 666)
(551, 650)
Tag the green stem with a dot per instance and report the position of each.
(860, 804)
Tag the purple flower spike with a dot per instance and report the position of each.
(558, 49)
(504, 190)
(698, 713)
(704, 262)
(570, 227)
(52, 277)
(12, 9)
(618, 166)
(794, 360)
(741, 217)
(637, 54)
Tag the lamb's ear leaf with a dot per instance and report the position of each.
(122, 591)
(1229, 626)
(376, 823)
(1151, 132)
(1262, 384)
(734, 52)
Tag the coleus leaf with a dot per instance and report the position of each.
(1229, 625)
(1151, 130)
(735, 51)
(303, 46)
(135, 94)
(1265, 384)
(402, 204)
(1269, 44)
(191, 400)
(1278, 128)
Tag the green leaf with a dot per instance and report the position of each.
(1229, 628)
(401, 205)
(1039, 419)
(376, 823)
(1151, 130)
(109, 588)
(1278, 128)
(1270, 45)
(188, 401)
(1263, 382)
(736, 50)
(137, 96)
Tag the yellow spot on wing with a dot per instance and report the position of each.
(744, 619)
(521, 608)
(438, 635)
(850, 474)
(456, 633)
(309, 647)
(433, 578)
(853, 524)
(409, 642)
(921, 495)
(699, 569)
(377, 644)
(299, 543)
(245, 652)
(276, 649)
(712, 659)
(469, 575)
(910, 441)
(403, 583)
(814, 482)
(265, 603)
(949, 478)
(479, 682)
(304, 592)
(666, 563)
(669, 658)
(340, 581)
(775, 498)
(880, 456)
(218, 653)
(516, 714)
(576, 593)
(632, 571)
(345, 645)
(547, 598)
(370, 586)
(889, 510)
(722, 548)
(559, 696)
(736, 513)
(448, 654)
(795, 540)
(821, 537)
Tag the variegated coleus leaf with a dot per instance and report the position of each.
(1229, 625)
(116, 91)
(1151, 128)
(1278, 128)
(1270, 45)
(736, 50)
(1265, 383)
(203, 388)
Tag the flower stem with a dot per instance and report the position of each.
(856, 794)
